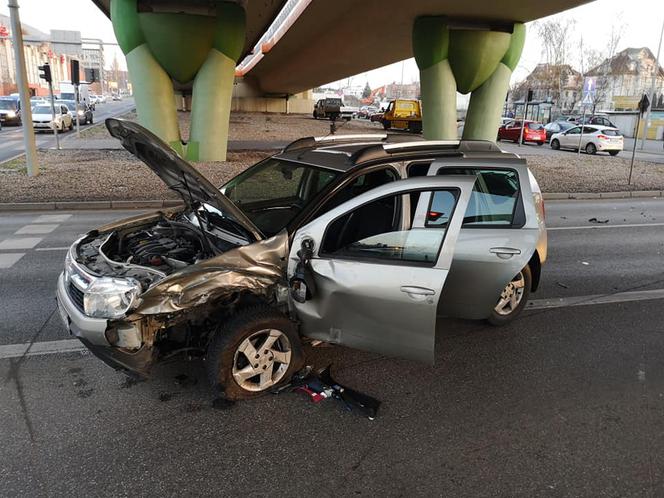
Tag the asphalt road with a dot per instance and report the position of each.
(567, 401)
(11, 137)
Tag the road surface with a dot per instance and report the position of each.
(11, 137)
(568, 400)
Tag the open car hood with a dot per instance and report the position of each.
(175, 172)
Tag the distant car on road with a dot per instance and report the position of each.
(532, 132)
(597, 119)
(42, 118)
(557, 127)
(85, 115)
(10, 110)
(403, 114)
(328, 108)
(594, 139)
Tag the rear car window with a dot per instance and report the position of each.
(494, 197)
(535, 126)
(610, 133)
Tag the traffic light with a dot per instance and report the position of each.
(75, 72)
(45, 72)
(91, 75)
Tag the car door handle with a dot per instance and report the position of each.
(417, 291)
(505, 252)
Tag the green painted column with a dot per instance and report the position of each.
(213, 88)
(431, 40)
(457, 58)
(486, 102)
(202, 50)
(152, 86)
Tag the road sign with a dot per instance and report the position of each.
(589, 90)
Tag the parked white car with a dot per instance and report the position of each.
(594, 138)
(42, 118)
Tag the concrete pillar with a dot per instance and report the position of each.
(467, 59)
(431, 43)
(161, 47)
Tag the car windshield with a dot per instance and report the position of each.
(565, 125)
(7, 105)
(274, 192)
(41, 109)
(70, 105)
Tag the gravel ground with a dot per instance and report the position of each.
(601, 173)
(263, 126)
(71, 175)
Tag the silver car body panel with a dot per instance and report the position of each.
(384, 307)
(487, 258)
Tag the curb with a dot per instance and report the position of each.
(83, 205)
(580, 196)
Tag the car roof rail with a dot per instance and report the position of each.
(421, 144)
(310, 142)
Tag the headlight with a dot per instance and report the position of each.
(11, 114)
(110, 297)
(81, 113)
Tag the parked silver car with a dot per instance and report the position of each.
(353, 240)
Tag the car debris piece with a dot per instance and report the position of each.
(595, 220)
(320, 386)
(564, 286)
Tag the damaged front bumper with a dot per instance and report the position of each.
(94, 334)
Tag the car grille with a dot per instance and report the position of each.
(76, 295)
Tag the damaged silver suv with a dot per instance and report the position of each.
(355, 240)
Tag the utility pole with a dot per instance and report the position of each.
(652, 92)
(22, 80)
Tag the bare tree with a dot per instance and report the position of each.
(555, 35)
(598, 63)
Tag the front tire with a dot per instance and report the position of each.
(253, 352)
(555, 144)
(512, 299)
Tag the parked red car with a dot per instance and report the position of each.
(532, 132)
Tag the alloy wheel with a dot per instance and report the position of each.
(261, 360)
(511, 296)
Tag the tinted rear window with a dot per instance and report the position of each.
(611, 133)
(535, 126)
(494, 197)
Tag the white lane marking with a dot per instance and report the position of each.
(619, 297)
(51, 248)
(41, 348)
(7, 260)
(74, 346)
(52, 218)
(20, 243)
(36, 229)
(595, 227)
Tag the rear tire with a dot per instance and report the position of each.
(240, 341)
(591, 149)
(555, 144)
(507, 309)
(614, 152)
(540, 143)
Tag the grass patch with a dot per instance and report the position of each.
(16, 164)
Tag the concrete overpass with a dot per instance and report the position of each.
(471, 47)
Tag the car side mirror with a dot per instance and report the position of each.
(302, 286)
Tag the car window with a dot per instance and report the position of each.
(359, 185)
(493, 199)
(535, 126)
(374, 231)
(610, 133)
(574, 131)
(274, 192)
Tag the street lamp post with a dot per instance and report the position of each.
(22, 81)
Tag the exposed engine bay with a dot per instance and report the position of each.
(151, 251)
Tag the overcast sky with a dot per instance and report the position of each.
(641, 19)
